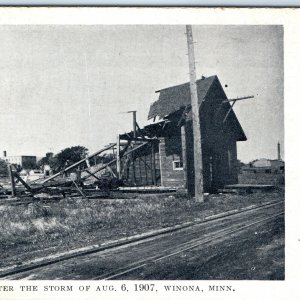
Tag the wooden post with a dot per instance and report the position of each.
(12, 181)
(133, 169)
(141, 177)
(153, 166)
(134, 123)
(118, 158)
(198, 168)
(184, 156)
(146, 175)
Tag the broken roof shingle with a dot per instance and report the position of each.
(174, 98)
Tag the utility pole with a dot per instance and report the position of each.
(198, 168)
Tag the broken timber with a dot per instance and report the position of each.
(79, 162)
(134, 141)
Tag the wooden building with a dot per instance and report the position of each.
(168, 159)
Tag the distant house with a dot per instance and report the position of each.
(171, 157)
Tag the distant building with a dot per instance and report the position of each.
(25, 161)
(267, 165)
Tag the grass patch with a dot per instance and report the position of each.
(73, 223)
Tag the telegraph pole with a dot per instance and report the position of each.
(198, 168)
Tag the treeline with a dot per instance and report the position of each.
(61, 160)
(69, 156)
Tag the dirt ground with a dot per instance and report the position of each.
(37, 230)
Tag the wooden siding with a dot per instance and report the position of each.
(169, 151)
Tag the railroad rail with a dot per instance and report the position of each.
(195, 242)
(182, 248)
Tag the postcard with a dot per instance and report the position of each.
(148, 153)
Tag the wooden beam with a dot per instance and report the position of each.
(238, 99)
(125, 148)
(134, 123)
(153, 165)
(146, 170)
(100, 169)
(138, 139)
(12, 181)
(92, 174)
(133, 169)
(141, 177)
(113, 161)
(112, 172)
(140, 130)
(79, 189)
(118, 158)
(88, 163)
(230, 109)
(22, 181)
(78, 163)
(145, 162)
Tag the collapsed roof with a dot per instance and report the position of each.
(176, 98)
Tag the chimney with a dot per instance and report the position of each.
(4, 153)
(278, 151)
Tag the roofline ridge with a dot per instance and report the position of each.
(173, 86)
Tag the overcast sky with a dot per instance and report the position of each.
(62, 86)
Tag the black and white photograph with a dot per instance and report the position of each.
(142, 152)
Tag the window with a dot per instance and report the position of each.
(177, 165)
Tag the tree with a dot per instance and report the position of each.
(49, 159)
(69, 156)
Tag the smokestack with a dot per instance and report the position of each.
(278, 151)
(4, 153)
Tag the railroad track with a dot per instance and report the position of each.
(168, 252)
(184, 247)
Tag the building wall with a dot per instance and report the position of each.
(170, 152)
(13, 159)
(27, 162)
(219, 151)
(261, 163)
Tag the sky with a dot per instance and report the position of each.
(62, 86)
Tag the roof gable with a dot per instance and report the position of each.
(174, 98)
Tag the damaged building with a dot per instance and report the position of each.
(168, 159)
